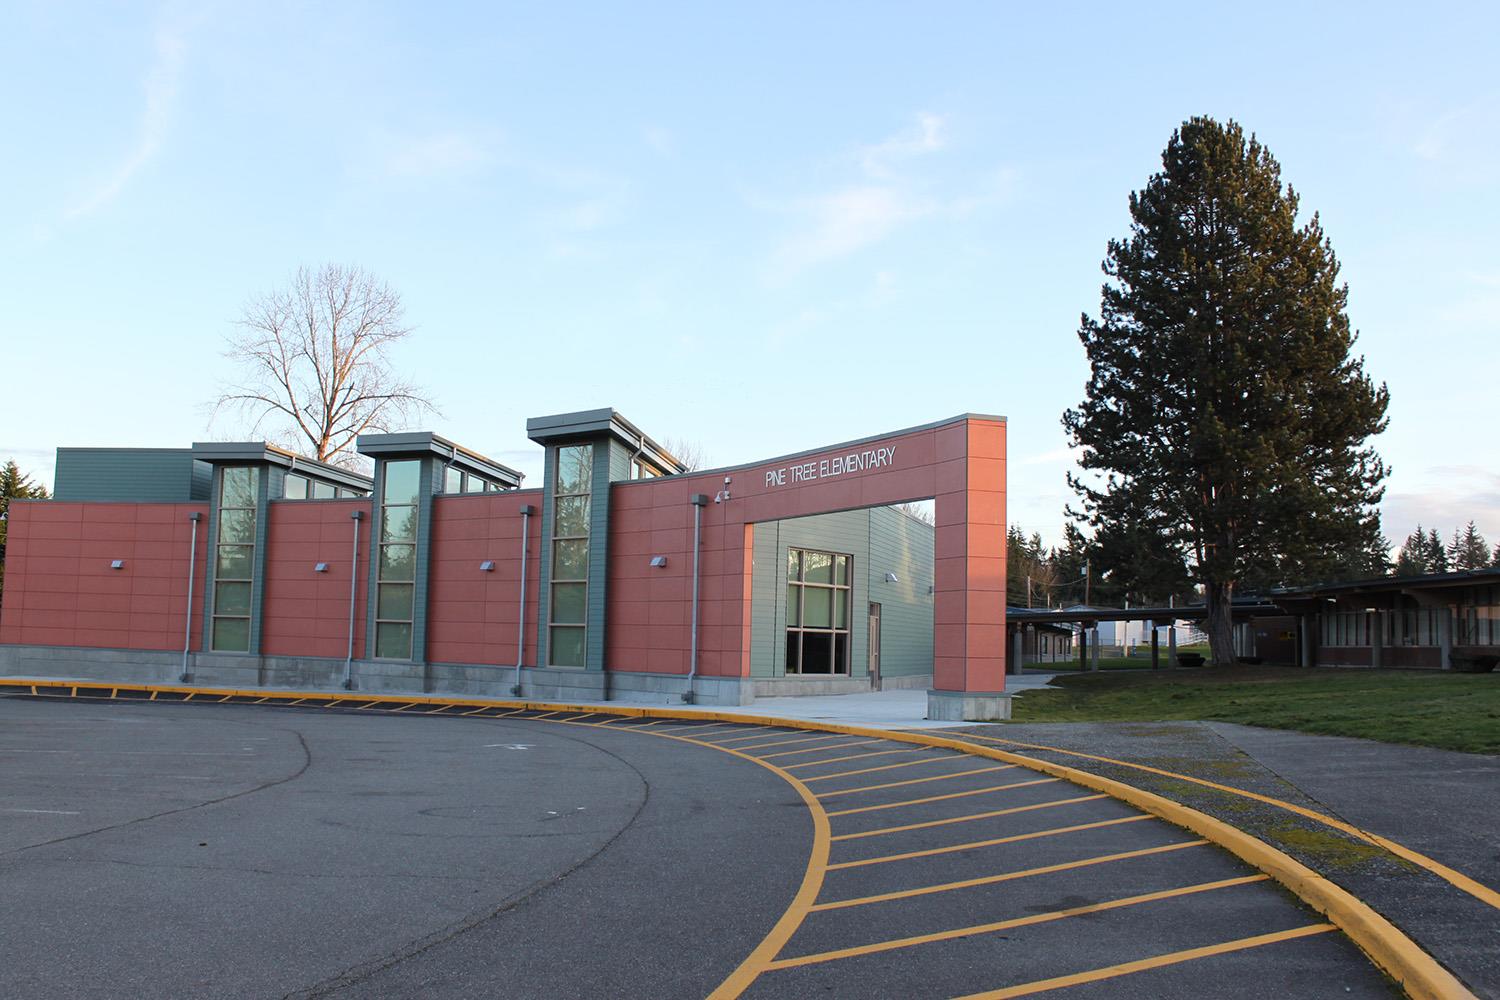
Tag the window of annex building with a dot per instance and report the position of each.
(570, 556)
(396, 583)
(234, 559)
(817, 612)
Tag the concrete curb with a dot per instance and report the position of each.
(1418, 973)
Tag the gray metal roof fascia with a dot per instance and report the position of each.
(424, 442)
(181, 451)
(220, 452)
(840, 445)
(606, 420)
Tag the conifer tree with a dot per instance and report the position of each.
(1437, 555)
(1225, 417)
(1412, 559)
(14, 485)
(1470, 550)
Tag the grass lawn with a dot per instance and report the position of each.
(1105, 663)
(1445, 710)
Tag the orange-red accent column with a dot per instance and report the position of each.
(969, 568)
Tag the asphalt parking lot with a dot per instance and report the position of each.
(192, 850)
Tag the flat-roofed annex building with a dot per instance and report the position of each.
(242, 564)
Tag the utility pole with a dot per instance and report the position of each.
(1087, 573)
(1028, 590)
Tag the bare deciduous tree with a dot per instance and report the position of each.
(921, 510)
(314, 361)
(689, 453)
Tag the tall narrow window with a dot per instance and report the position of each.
(817, 612)
(570, 555)
(396, 583)
(234, 559)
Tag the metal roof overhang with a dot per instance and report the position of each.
(262, 452)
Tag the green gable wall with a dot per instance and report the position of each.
(145, 475)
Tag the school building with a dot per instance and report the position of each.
(622, 576)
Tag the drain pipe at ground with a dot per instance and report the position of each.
(526, 510)
(187, 629)
(699, 501)
(357, 515)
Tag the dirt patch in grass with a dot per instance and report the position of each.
(1444, 710)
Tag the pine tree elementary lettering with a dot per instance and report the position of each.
(855, 461)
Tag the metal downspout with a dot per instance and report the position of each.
(526, 510)
(187, 629)
(357, 515)
(699, 501)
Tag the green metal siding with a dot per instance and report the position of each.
(608, 454)
(145, 475)
(881, 540)
(904, 546)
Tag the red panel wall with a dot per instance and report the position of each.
(961, 465)
(307, 613)
(471, 614)
(60, 591)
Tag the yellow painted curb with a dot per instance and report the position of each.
(1418, 973)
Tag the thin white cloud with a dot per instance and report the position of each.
(1450, 497)
(441, 154)
(660, 140)
(889, 194)
(926, 135)
(847, 220)
(161, 88)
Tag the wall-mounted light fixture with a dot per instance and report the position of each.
(488, 566)
(658, 562)
(320, 568)
(891, 578)
(117, 564)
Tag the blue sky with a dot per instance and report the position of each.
(761, 228)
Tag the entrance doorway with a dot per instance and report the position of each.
(874, 658)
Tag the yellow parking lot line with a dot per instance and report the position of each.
(942, 798)
(988, 843)
(1126, 968)
(740, 729)
(1001, 925)
(968, 819)
(853, 756)
(970, 883)
(547, 715)
(1455, 878)
(734, 727)
(918, 781)
(817, 749)
(887, 767)
(824, 738)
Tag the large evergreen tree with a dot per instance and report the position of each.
(14, 485)
(1224, 414)
(1437, 555)
(1469, 550)
(1412, 559)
